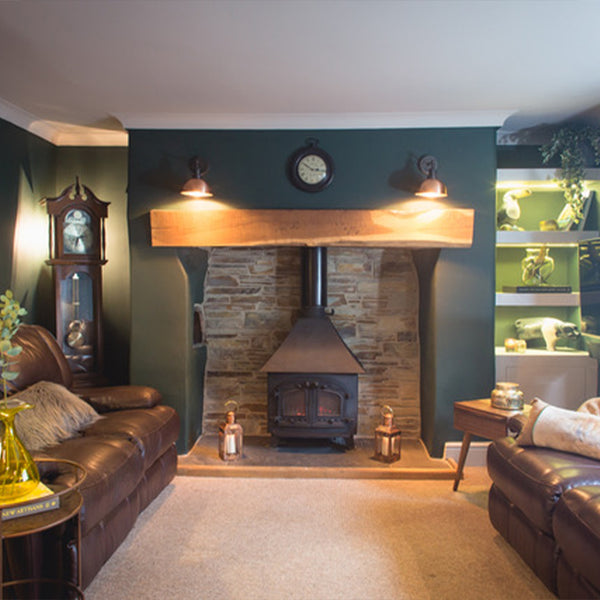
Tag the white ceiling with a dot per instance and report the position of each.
(84, 71)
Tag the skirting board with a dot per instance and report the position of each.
(475, 457)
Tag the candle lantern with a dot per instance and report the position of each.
(231, 435)
(387, 438)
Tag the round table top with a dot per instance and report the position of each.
(63, 477)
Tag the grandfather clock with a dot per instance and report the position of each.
(77, 254)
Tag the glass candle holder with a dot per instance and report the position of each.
(387, 438)
(231, 438)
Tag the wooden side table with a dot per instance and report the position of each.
(479, 417)
(63, 477)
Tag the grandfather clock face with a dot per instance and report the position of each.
(78, 233)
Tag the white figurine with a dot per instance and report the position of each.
(510, 211)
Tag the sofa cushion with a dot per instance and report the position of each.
(40, 360)
(576, 525)
(120, 397)
(535, 478)
(561, 429)
(114, 467)
(153, 430)
(536, 548)
(56, 415)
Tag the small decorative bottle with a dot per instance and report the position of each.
(387, 438)
(231, 437)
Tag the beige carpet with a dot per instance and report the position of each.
(316, 539)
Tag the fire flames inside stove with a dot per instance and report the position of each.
(294, 404)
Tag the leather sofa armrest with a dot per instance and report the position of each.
(119, 397)
(515, 424)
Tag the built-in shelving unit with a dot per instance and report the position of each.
(567, 376)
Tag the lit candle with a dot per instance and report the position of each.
(385, 446)
(230, 443)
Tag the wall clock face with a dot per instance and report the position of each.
(78, 237)
(311, 169)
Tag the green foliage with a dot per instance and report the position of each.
(10, 321)
(570, 144)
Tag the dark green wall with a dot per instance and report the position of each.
(374, 169)
(27, 174)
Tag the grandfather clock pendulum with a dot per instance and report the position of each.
(77, 254)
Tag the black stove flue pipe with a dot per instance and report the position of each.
(314, 281)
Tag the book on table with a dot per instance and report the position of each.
(537, 289)
(41, 499)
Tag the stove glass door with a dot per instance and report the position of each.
(329, 404)
(293, 403)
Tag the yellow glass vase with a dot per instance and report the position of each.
(18, 472)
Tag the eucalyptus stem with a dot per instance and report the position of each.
(10, 321)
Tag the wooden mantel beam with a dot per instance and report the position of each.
(434, 228)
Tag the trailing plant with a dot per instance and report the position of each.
(571, 144)
(10, 321)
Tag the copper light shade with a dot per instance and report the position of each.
(196, 187)
(431, 187)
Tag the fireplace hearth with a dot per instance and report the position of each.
(313, 376)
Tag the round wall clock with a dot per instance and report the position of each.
(311, 169)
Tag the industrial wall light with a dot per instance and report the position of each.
(196, 187)
(431, 187)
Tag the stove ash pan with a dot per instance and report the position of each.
(313, 405)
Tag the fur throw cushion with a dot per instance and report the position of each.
(57, 415)
(561, 429)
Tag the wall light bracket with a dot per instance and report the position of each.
(196, 187)
(431, 187)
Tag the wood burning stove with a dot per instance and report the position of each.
(313, 376)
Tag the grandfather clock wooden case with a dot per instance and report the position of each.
(77, 254)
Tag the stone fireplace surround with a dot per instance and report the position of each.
(252, 294)
(252, 298)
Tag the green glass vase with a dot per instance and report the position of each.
(18, 472)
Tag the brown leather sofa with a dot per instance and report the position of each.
(129, 456)
(546, 504)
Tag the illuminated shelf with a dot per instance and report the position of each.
(542, 299)
(500, 351)
(537, 179)
(552, 238)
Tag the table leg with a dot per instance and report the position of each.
(464, 449)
